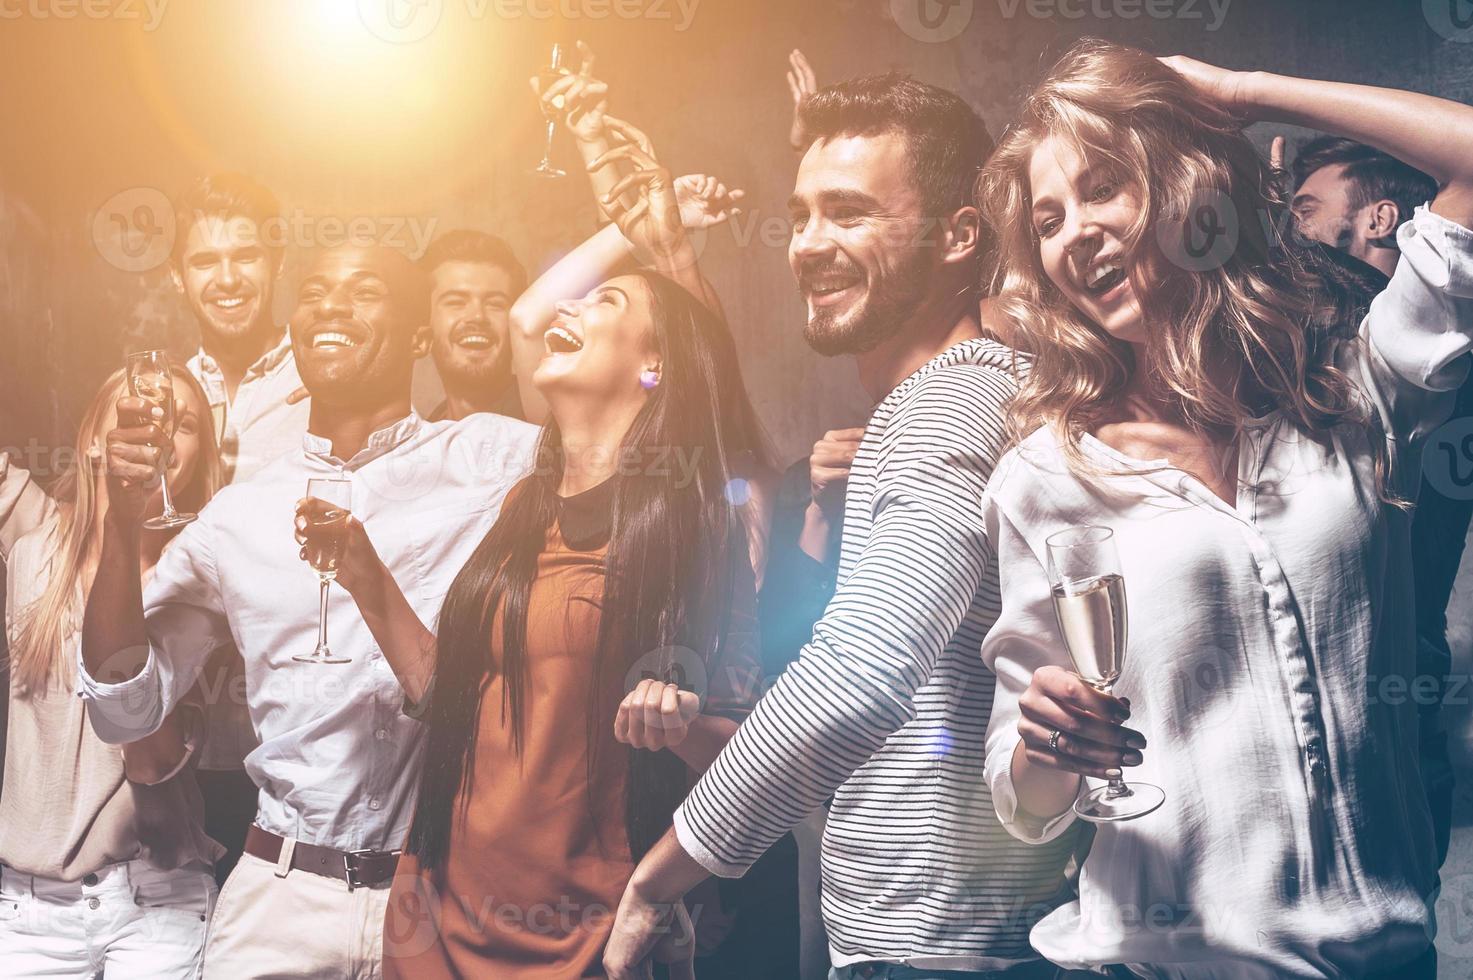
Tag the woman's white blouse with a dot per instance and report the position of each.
(1269, 667)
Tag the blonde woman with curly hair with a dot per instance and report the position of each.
(104, 863)
(1256, 462)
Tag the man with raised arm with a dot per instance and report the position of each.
(337, 752)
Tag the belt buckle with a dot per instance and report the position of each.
(350, 869)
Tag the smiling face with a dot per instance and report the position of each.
(598, 346)
(226, 273)
(470, 304)
(857, 250)
(358, 326)
(1082, 217)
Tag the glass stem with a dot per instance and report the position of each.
(1117, 787)
(169, 512)
(322, 619)
(551, 135)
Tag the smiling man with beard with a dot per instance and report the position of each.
(474, 279)
(337, 761)
(886, 707)
(225, 264)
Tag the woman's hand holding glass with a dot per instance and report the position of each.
(1092, 740)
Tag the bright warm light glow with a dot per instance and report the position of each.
(314, 80)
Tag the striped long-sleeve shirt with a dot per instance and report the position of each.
(886, 708)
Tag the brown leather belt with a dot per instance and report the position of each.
(366, 868)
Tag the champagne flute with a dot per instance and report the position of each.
(327, 514)
(1089, 600)
(151, 378)
(546, 77)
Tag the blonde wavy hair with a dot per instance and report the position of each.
(1246, 337)
(41, 645)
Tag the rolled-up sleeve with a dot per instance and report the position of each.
(23, 505)
(1417, 333)
(186, 623)
(1024, 638)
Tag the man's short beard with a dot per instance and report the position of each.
(455, 372)
(880, 315)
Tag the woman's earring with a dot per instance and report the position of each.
(648, 380)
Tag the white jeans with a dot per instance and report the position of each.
(130, 920)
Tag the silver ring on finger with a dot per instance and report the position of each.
(1053, 741)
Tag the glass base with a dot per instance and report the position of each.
(164, 523)
(545, 169)
(1137, 800)
(322, 655)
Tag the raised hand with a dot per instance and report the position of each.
(578, 98)
(656, 715)
(1213, 84)
(705, 202)
(136, 450)
(802, 82)
(652, 222)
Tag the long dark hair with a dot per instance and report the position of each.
(668, 575)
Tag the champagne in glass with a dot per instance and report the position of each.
(1089, 600)
(327, 516)
(150, 377)
(1092, 620)
(546, 77)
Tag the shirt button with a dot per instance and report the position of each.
(93, 903)
(89, 880)
(381, 734)
(373, 803)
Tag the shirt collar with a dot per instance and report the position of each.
(203, 365)
(383, 441)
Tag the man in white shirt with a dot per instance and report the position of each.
(225, 263)
(338, 762)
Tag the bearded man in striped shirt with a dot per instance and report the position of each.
(886, 708)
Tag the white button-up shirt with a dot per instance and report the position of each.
(1295, 838)
(338, 761)
(257, 427)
